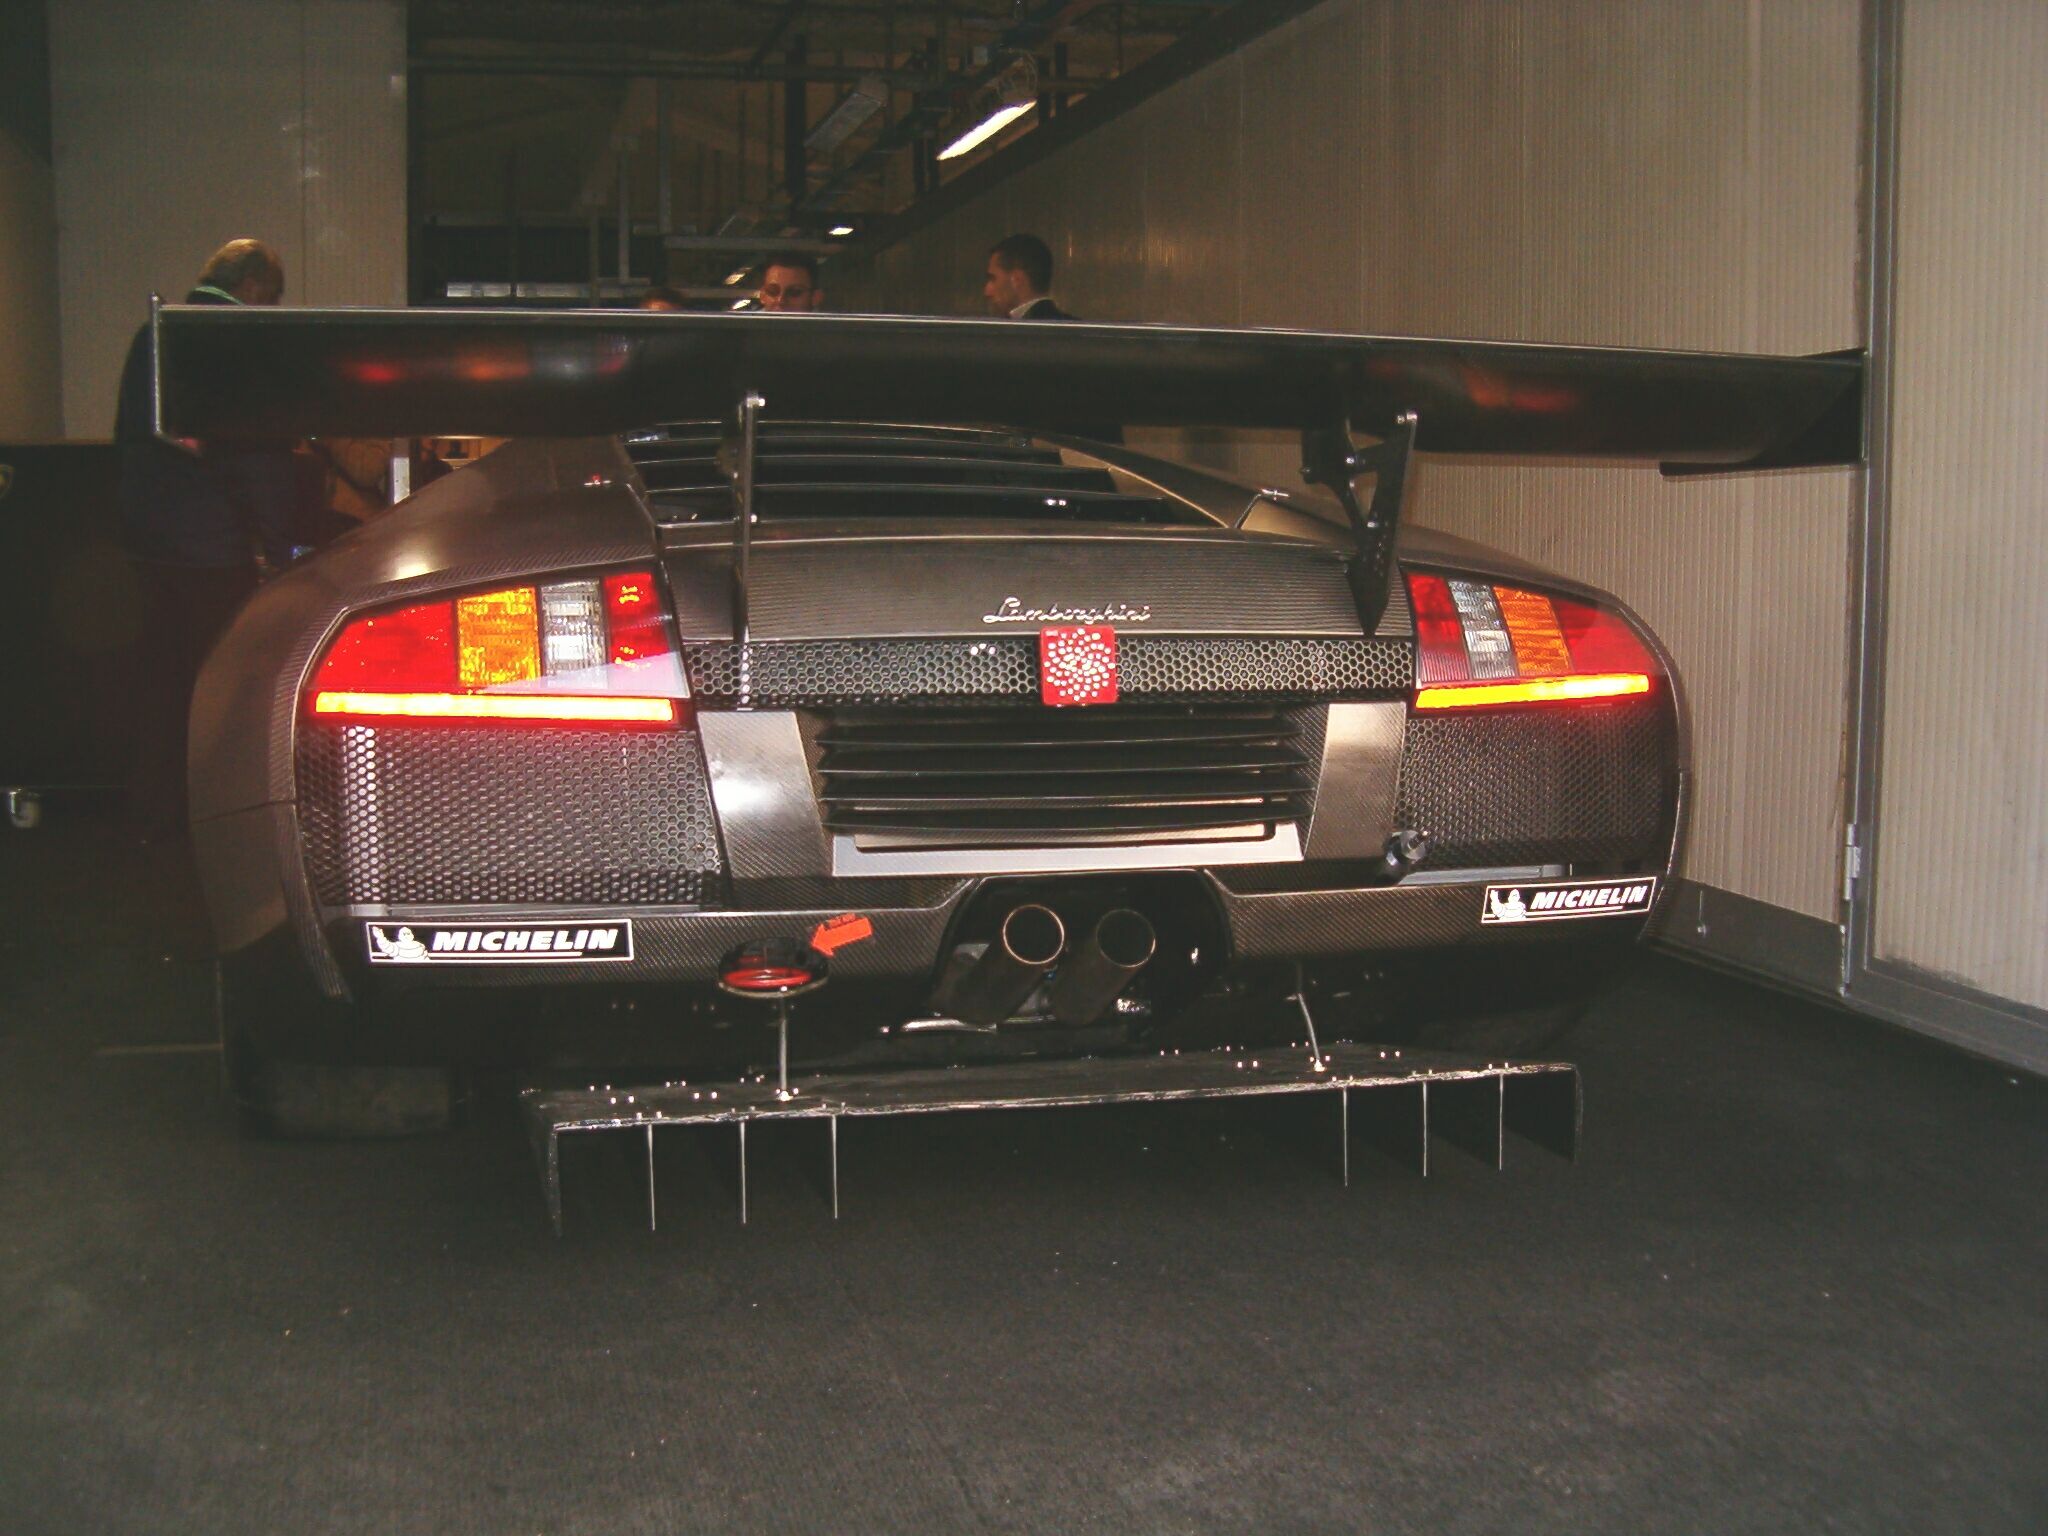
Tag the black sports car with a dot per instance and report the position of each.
(1040, 746)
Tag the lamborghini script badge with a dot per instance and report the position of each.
(1077, 664)
(470, 943)
(1011, 611)
(1578, 898)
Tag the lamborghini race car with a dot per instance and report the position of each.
(775, 649)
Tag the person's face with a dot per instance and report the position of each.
(267, 289)
(1005, 288)
(789, 289)
(659, 306)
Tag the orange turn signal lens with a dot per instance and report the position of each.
(1533, 630)
(497, 637)
(606, 709)
(1540, 690)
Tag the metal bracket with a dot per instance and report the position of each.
(1329, 458)
(738, 452)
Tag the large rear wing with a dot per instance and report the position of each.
(517, 373)
(284, 373)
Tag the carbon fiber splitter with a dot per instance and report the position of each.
(1414, 1096)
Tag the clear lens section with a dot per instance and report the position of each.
(1486, 637)
(571, 626)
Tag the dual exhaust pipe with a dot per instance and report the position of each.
(1028, 944)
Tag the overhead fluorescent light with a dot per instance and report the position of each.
(742, 303)
(854, 108)
(737, 277)
(995, 106)
(840, 231)
(986, 129)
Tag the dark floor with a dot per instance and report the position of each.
(1796, 1282)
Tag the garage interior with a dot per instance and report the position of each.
(1790, 1281)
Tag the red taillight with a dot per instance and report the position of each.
(632, 611)
(412, 646)
(593, 709)
(1439, 637)
(1478, 644)
(493, 655)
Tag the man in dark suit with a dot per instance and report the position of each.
(1020, 280)
(1019, 275)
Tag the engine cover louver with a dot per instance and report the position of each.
(1116, 772)
(855, 470)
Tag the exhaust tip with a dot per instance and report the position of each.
(1126, 938)
(1034, 935)
(1116, 949)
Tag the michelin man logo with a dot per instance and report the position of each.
(1512, 910)
(404, 947)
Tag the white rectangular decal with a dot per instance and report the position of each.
(1569, 898)
(500, 943)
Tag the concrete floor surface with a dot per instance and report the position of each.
(1795, 1283)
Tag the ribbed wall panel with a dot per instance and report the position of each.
(354, 214)
(1963, 872)
(182, 124)
(1668, 174)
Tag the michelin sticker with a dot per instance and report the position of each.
(487, 943)
(1575, 898)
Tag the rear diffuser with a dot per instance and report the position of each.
(1471, 1104)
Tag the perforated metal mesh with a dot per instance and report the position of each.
(1590, 786)
(1319, 669)
(1163, 669)
(430, 814)
(865, 671)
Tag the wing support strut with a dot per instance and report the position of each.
(738, 451)
(1329, 458)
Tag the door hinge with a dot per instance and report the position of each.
(1852, 863)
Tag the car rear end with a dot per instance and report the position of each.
(982, 674)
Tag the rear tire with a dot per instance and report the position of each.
(283, 1098)
(318, 1101)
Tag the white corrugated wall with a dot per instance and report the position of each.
(1681, 173)
(181, 124)
(1963, 811)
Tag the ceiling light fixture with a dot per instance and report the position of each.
(737, 277)
(853, 109)
(840, 231)
(995, 106)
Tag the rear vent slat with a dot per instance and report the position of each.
(1056, 777)
(871, 762)
(847, 470)
(1060, 825)
(1007, 732)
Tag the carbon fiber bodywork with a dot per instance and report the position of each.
(709, 836)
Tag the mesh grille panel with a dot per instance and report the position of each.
(430, 815)
(824, 672)
(1589, 786)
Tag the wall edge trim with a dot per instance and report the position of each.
(1772, 943)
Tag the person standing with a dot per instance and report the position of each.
(1018, 285)
(1019, 282)
(195, 520)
